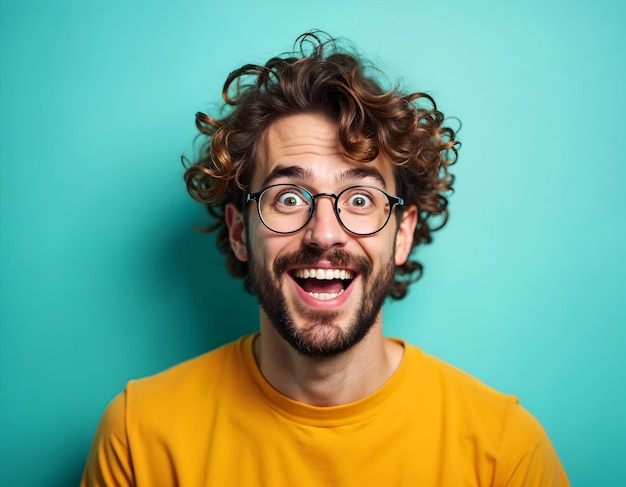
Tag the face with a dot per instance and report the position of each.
(321, 288)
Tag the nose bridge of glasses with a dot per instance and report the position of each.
(332, 201)
(324, 229)
(333, 197)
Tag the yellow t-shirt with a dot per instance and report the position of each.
(215, 421)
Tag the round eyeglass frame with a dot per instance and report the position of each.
(393, 201)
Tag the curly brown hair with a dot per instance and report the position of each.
(319, 77)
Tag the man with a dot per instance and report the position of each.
(321, 184)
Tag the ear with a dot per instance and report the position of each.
(404, 235)
(236, 231)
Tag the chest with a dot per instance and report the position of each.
(248, 446)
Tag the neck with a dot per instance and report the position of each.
(327, 381)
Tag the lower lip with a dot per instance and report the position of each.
(324, 303)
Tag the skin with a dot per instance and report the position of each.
(309, 142)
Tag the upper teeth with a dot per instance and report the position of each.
(323, 274)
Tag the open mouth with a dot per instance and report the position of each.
(323, 284)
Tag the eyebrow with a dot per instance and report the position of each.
(302, 174)
(362, 173)
(291, 172)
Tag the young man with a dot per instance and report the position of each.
(321, 184)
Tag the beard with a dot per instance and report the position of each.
(321, 335)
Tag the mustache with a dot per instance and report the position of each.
(311, 256)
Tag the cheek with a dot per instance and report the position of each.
(389, 252)
(265, 245)
(379, 251)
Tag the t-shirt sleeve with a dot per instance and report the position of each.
(530, 460)
(109, 462)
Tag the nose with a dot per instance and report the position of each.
(324, 230)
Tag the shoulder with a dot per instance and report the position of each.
(188, 381)
(498, 426)
(158, 415)
(454, 385)
(464, 403)
(189, 370)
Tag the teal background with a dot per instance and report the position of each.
(103, 278)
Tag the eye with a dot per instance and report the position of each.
(291, 198)
(359, 201)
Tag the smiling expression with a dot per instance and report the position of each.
(321, 288)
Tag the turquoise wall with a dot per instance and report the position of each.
(103, 278)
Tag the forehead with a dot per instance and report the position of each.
(306, 148)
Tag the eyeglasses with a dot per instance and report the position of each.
(287, 208)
